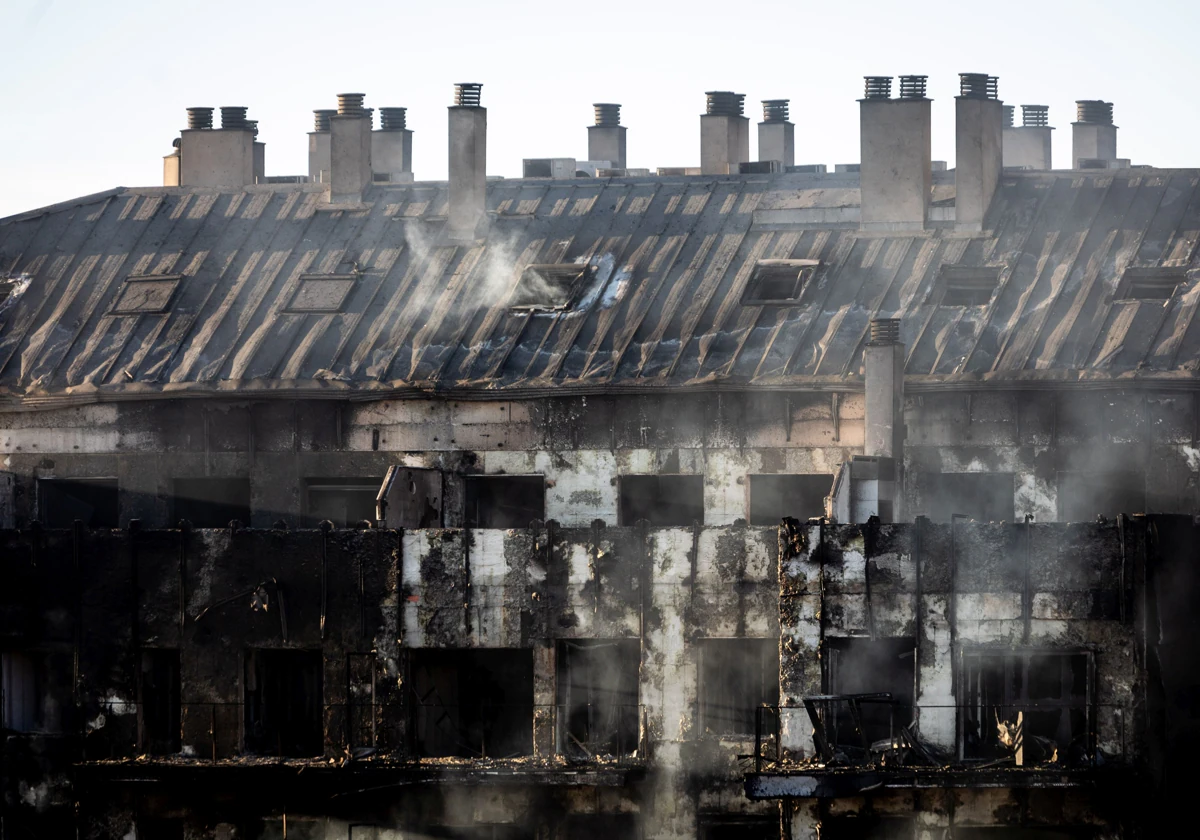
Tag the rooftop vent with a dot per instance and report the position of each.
(321, 119)
(968, 285)
(321, 293)
(350, 104)
(724, 103)
(467, 94)
(548, 287)
(1035, 116)
(1093, 112)
(1009, 115)
(775, 110)
(885, 331)
(878, 87)
(978, 86)
(145, 294)
(1154, 284)
(778, 281)
(233, 117)
(607, 113)
(913, 87)
(393, 119)
(199, 118)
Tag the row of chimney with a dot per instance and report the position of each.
(895, 135)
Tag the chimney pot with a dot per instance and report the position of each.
(1094, 112)
(775, 110)
(1009, 115)
(885, 331)
(322, 117)
(1035, 116)
(878, 87)
(724, 133)
(608, 114)
(350, 104)
(979, 145)
(606, 139)
(467, 94)
(978, 86)
(913, 87)
(393, 119)
(199, 118)
(233, 117)
(724, 103)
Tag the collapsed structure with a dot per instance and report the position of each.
(756, 502)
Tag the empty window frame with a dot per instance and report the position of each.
(504, 501)
(159, 828)
(548, 287)
(602, 827)
(411, 498)
(291, 828)
(93, 501)
(343, 501)
(661, 500)
(471, 703)
(1051, 689)
(598, 712)
(159, 718)
(773, 497)
(35, 691)
(869, 827)
(737, 676)
(746, 828)
(470, 832)
(1082, 496)
(1150, 284)
(984, 497)
(212, 502)
(963, 285)
(865, 666)
(778, 281)
(283, 702)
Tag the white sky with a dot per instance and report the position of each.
(93, 92)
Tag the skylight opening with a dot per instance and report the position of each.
(321, 293)
(549, 287)
(778, 281)
(1150, 284)
(143, 294)
(968, 285)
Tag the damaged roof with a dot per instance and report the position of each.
(168, 291)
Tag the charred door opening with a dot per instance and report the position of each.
(773, 497)
(1023, 833)
(343, 501)
(662, 500)
(747, 828)
(602, 827)
(35, 691)
(474, 832)
(984, 497)
(737, 676)
(158, 702)
(505, 501)
(158, 828)
(1082, 496)
(471, 703)
(283, 702)
(869, 827)
(411, 498)
(865, 666)
(1050, 690)
(212, 502)
(598, 697)
(93, 501)
(279, 828)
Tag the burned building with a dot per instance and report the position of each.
(747, 503)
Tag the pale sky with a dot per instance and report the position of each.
(92, 93)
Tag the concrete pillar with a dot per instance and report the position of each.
(221, 157)
(318, 146)
(606, 139)
(349, 150)
(979, 128)
(895, 174)
(1028, 146)
(1093, 135)
(468, 163)
(724, 134)
(776, 134)
(391, 147)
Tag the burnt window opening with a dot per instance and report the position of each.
(550, 287)
(773, 497)
(869, 827)
(159, 718)
(737, 676)
(93, 501)
(1082, 496)
(778, 281)
(1150, 284)
(146, 294)
(744, 828)
(1050, 690)
(283, 702)
(598, 711)
(984, 497)
(212, 502)
(159, 828)
(297, 829)
(343, 501)
(602, 827)
(471, 703)
(662, 500)
(35, 691)
(990, 832)
(360, 682)
(411, 498)
(963, 285)
(472, 832)
(504, 501)
(866, 666)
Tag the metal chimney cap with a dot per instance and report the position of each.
(724, 103)
(913, 87)
(393, 119)
(775, 110)
(877, 87)
(233, 117)
(978, 86)
(607, 113)
(1035, 116)
(885, 331)
(1093, 112)
(322, 117)
(350, 104)
(468, 94)
(199, 118)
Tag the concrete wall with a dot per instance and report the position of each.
(318, 155)
(216, 157)
(777, 141)
(724, 143)
(607, 142)
(391, 153)
(1028, 146)
(468, 171)
(978, 137)
(896, 170)
(349, 157)
(1092, 141)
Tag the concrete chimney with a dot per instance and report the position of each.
(221, 157)
(724, 134)
(1093, 135)
(895, 177)
(349, 150)
(171, 173)
(1028, 146)
(884, 372)
(979, 133)
(260, 154)
(776, 134)
(318, 145)
(606, 139)
(391, 146)
(468, 163)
